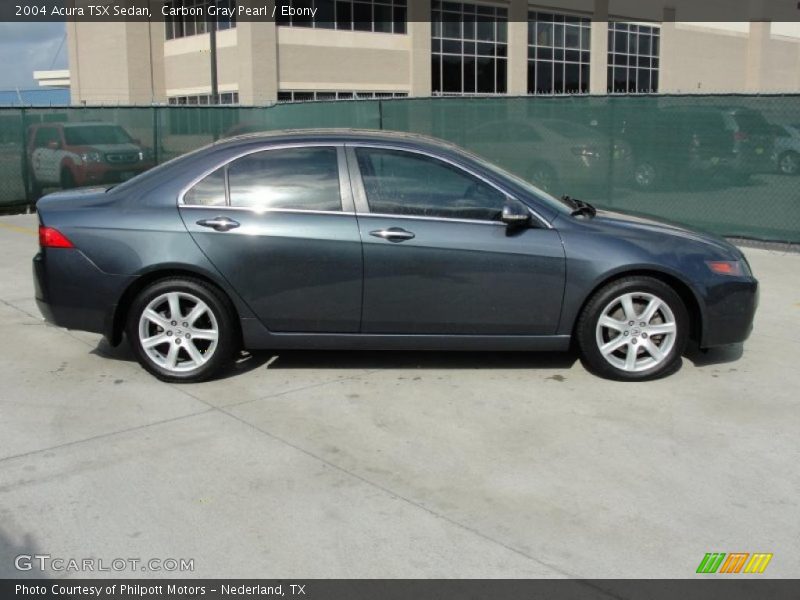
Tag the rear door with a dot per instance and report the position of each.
(279, 225)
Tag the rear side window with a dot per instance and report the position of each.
(291, 178)
(209, 191)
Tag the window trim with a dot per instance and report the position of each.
(345, 195)
(360, 194)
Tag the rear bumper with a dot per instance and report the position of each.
(730, 309)
(72, 292)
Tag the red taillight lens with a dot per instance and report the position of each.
(740, 136)
(53, 238)
(725, 267)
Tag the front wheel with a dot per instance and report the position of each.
(633, 329)
(181, 330)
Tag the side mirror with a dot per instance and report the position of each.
(515, 214)
(136, 141)
(54, 145)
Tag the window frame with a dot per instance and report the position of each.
(345, 193)
(360, 195)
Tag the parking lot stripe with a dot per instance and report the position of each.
(18, 228)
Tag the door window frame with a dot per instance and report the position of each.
(360, 195)
(345, 189)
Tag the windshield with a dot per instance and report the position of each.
(89, 135)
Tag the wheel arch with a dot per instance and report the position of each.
(116, 322)
(688, 295)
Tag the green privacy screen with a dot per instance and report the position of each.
(727, 164)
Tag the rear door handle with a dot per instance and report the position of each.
(219, 223)
(393, 234)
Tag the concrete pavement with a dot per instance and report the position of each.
(347, 464)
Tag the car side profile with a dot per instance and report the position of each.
(350, 239)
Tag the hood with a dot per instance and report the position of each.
(649, 225)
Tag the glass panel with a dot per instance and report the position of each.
(209, 191)
(294, 178)
(402, 183)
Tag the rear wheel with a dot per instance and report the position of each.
(181, 330)
(633, 329)
(646, 175)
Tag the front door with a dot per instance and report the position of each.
(437, 259)
(278, 233)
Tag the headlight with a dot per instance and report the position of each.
(145, 155)
(91, 157)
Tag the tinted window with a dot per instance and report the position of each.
(87, 135)
(209, 191)
(294, 178)
(45, 135)
(403, 183)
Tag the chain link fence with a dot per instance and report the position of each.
(728, 164)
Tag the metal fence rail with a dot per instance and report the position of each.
(727, 164)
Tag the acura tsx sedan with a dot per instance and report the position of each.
(351, 239)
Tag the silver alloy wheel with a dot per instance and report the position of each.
(178, 331)
(789, 163)
(636, 331)
(644, 175)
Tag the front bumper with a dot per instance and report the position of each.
(730, 310)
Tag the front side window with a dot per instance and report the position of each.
(404, 183)
(292, 178)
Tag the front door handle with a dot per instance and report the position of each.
(393, 234)
(219, 223)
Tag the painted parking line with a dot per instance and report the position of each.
(19, 228)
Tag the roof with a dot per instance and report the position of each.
(337, 135)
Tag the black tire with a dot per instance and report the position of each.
(223, 315)
(67, 179)
(641, 287)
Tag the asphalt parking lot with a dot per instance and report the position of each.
(346, 464)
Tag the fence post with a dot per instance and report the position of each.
(24, 163)
(155, 135)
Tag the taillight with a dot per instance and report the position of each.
(50, 237)
(740, 136)
(725, 267)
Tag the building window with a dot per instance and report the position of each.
(195, 22)
(558, 53)
(633, 58)
(380, 16)
(204, 99)
(305, 96)
(469, 48)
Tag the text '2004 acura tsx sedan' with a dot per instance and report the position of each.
(376, 240)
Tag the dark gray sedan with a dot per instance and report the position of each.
(375, 240)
